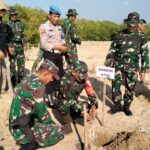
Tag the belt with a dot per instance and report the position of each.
(18, 42)
(55, 51)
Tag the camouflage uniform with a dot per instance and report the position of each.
(29, 108)
(145, 39)
(124, 57)
(18, 45)
(71, 37)
(71, 89)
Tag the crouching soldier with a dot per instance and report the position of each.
(29, 121)
(71, 86)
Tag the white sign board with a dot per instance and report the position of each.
(105, 72)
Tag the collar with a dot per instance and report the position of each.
(51, 24)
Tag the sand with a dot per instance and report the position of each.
(119, 131)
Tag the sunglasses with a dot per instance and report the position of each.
(14, 14)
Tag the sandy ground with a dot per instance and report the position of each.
(119, 131)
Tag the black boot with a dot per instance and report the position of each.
(29, 146)
(126, 110)
(13, 81)
(117, 108)
(126, 107)
(20, 79)
(67, 123)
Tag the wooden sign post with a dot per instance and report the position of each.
(103, 104)
(85, 128)
(105, 72)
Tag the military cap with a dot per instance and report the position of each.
(72, 12)
(50, 66)
(81, 68)
(133, 19)
(13, 11)
(3, 6)
(55, 9)
(142, 21)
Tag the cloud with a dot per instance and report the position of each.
(126, 3)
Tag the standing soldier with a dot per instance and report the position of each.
(71, 36)
(16, 55)
(5, 38)
(142, 25)
(74, 81)
(52, 43)
(123, 55)
(141, 28)
(29, 121)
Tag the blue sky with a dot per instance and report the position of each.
(112, 10)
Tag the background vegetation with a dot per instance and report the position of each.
(88, 30)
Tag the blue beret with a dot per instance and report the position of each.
(54, 9)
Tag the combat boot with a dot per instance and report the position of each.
(20, 79)
(117, 108)
(13, 81)
(67, 123)
(126, 109)
(29, 146)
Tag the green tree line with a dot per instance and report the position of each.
(88, 30)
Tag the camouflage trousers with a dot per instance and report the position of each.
(71, 56)
(18, 58)
(44, 134)
(38, 60)
(64, 106)
(68, 106)
(129, 79)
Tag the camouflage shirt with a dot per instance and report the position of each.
(71, 89)
(125, 51)
(18, 31)
(70, 32)
(28, 100)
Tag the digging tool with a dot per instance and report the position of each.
(85, 128)
(103, 104)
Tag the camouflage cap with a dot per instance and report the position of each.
(142, 21)
(13, 11)
(81, 68)
(133, 19)
(72, 12)
(50, 66)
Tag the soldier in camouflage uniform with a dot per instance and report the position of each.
(71, 36)
(141, 28)
(29, 121)
(72, 84)
(16, 55)
(142, 25)
(123, 55)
